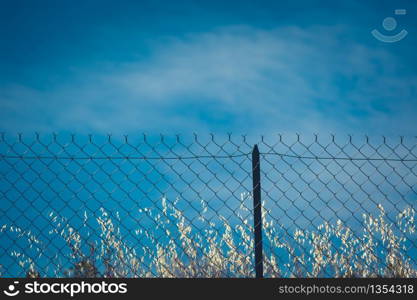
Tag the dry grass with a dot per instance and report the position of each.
(380, 249)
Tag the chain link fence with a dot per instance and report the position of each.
(174, 206)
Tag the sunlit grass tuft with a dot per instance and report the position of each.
(379, 249)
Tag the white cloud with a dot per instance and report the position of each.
(286, 79)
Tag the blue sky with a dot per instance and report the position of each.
(206, 66)
(256, 67)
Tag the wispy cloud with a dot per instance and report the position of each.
(240, 79)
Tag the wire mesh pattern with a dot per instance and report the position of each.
(174, 206)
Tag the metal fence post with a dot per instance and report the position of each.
(257, 212)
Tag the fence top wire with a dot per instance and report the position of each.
(122, 157)
(200, 156)
(174, 156)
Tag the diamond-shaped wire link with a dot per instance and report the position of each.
(174, 206)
